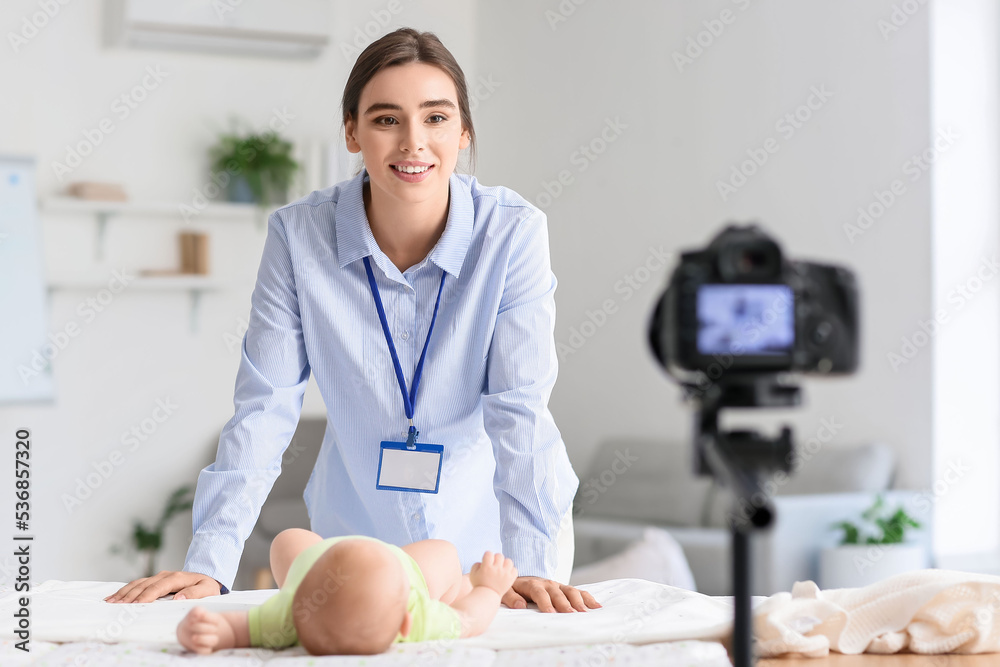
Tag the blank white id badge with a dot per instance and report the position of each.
(402, 469)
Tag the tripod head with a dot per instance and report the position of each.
(740, 459)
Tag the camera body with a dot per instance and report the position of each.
(739, 307)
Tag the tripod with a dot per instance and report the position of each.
(739, 460)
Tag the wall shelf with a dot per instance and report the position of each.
(196, 285)
(214, 210)
(131, 210)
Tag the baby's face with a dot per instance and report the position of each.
(358, 592)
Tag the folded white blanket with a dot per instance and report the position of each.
(927, 611)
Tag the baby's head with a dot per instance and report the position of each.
(352, 600)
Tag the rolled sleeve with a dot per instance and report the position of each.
(533, 482)
(270, 384)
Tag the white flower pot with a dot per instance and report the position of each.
(856, 565)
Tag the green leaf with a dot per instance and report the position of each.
(890, 525)
(870, 513)
(264, 160)
(151, 539)
(850, 532)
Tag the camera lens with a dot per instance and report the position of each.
(746, 261)
(752, 259)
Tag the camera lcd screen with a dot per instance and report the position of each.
(741, 319)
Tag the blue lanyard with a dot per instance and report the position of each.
(409, 400)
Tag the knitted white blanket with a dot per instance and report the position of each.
(927, 611)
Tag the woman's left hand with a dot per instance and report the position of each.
(549, 595)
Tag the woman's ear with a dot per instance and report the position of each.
(350, 127)
(464, 140)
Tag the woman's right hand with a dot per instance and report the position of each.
(184, 585)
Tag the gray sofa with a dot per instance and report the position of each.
(633, 483)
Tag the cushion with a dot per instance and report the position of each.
(657, 557)
(831, 469)
(643, 480)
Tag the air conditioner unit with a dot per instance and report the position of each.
(273, 28)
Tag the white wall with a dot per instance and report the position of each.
(656, 185)
(140, 349)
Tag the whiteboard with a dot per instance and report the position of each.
(25, 371)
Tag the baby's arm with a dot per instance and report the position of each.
(204, 631)
(490, 579)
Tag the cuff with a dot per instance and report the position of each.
(532, 557)
(209, 555)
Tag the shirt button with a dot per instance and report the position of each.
(405, 335)
(416, 516)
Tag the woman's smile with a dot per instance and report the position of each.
(410, 171)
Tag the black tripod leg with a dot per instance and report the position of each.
(742, 622)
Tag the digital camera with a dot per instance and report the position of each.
(738, 307)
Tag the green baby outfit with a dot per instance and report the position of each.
(272, 626)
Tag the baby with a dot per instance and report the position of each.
(358, 595)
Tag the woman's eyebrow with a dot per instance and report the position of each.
(388, 106)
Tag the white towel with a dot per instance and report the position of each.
(927, 611)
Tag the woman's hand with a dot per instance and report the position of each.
(185, 585)
(548, 595)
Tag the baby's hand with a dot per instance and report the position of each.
(204, 631)
(495, 571)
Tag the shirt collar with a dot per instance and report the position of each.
(354, 233)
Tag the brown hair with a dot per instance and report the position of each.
(403, 46)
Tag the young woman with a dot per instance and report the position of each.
(407, 276)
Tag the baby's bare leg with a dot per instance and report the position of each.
(438, 560)
(285, 547)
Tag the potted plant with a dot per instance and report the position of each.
(259, 166)
(150, 540)
(872, 551)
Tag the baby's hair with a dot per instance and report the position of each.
(334, 585)
(400, 47)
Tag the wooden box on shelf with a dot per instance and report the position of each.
(194, 252)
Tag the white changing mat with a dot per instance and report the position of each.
(928, 611)
(634, 612)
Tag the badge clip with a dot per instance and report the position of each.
(411, 437)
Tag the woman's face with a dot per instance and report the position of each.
(408, 120)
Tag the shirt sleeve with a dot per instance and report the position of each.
(533, 482)
(270, 384)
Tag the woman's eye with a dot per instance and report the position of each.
(385, 120)
(437, 115)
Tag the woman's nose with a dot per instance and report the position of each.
(413, 139)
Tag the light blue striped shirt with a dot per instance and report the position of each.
(506, 480)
